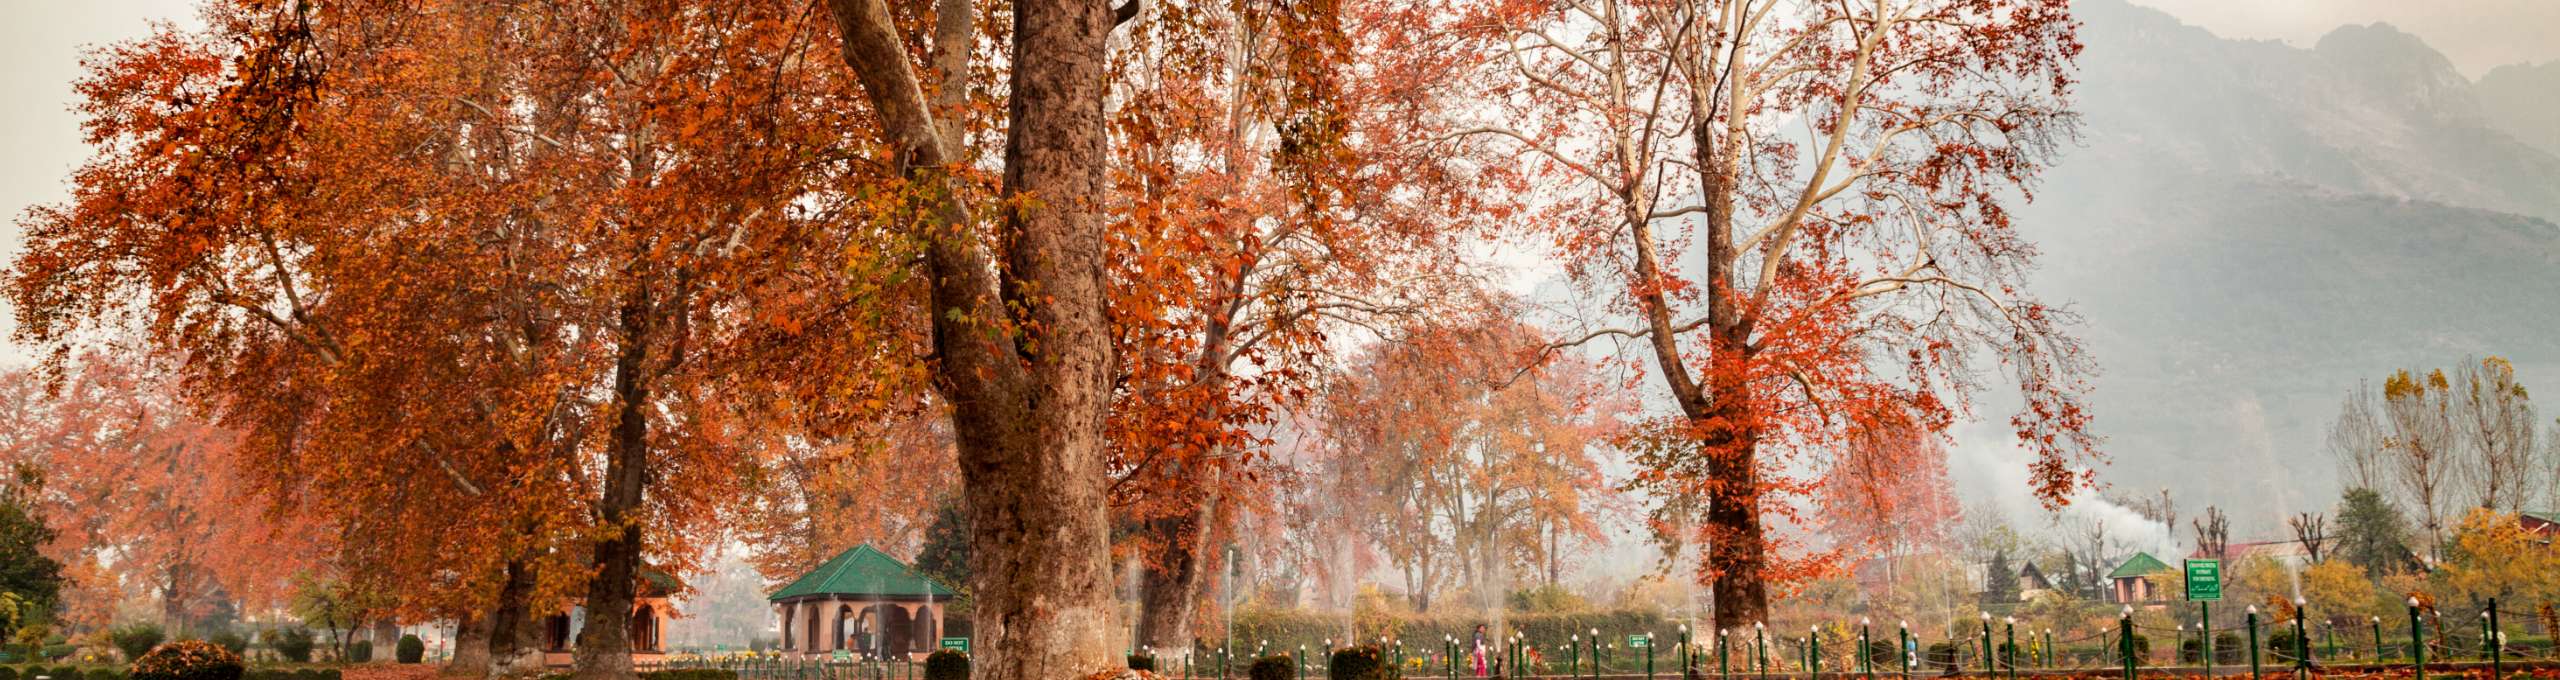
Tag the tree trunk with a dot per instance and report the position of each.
(1737, 550)
(1169, 582)
(604, 646)
(470, 647)
(1022, 349)
(515, 628)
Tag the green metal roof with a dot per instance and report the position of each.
(2547, 516)
(2142, 564)
(862, 571)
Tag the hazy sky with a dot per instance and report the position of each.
(2477, 35)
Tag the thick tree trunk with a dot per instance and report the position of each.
(515, 628)
(604, 646)
(1025, 354)
(1170, 580)
(470, 647)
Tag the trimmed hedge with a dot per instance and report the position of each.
(135, 640)
(103, 673)
(294, 644)
(1274, 667)
(1365, 662)
(691, 674)
(360, 652)
(946, 664)
(1142, 662)
(411, 649)
(231, 640)
(188, 660)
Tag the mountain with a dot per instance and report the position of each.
(2525, 101)
(2249, 229)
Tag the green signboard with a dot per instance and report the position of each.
(842, 656)
(2204, 580)
(959, 644)
(1634, 641)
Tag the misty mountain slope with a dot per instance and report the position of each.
(2249, 229)
(2525, 101)
(2369, 109)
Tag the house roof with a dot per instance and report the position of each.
(2141, 564)
(2552, 516)
(862, 571)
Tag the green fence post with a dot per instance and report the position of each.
(1987, 667)
(1724, 670)
(1648, 655)
(2417, 641)
(1760, 649)
(2009, 654)
(2125, 640)
(1813, 651)
(2204, 613)
(1866, 653)
(2301, 635)
(2497, 640)
(1902, 651)
(2253, 642)
(2377, 640)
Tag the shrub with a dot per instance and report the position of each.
(1365, 662)
(946, 664)
(1274, 667)
(7, 673)
(104, 673)
(135, 640)
(66, 673)
(412, 649)
(294, 644)
(188, 660)
(231, 640)
(1142, 662)
(1880, 653)
(2279, 645)
(1942, 656)
(360, 652)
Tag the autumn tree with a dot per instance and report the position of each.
(473, 289)
(111, 433)
(1021, 344)
(2420, 441)
(2355, 439)
(2498, 426)
(1889, 495)
(1462, 467)
(1841, 174)
(1270, 196)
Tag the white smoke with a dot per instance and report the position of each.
(1989, 464)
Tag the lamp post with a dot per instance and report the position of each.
(2377, 639)
(1648, 655)
(1595, 652)
(1813, 651)
(2497, 641)
(1573, 656)
(1724, 670)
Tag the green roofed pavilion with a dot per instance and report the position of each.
(864, 602)
(2131, 582)
(2141, 564)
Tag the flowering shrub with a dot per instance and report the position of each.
(188, 660)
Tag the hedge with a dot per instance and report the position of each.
(1290, 628)
(1365, 662)
(946, 664)
(691, 674)
(1274, 667)
(411, 649)
(187, 660)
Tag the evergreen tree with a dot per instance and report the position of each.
(33, 581)
(2371, 533)
(945, 555)
(2001, 584)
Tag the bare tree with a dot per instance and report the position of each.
(2495, 417)
(2311, 529)
(2355, 437)
(2213, 533)
(2418, 443)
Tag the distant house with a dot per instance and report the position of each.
(2545, 523)
(2131, 582)
(652, 608)
(2289, 553)
(2032, 583)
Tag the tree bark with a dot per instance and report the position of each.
(604, 646)
(515, 628)
(1022, 350)
(1169, 583)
